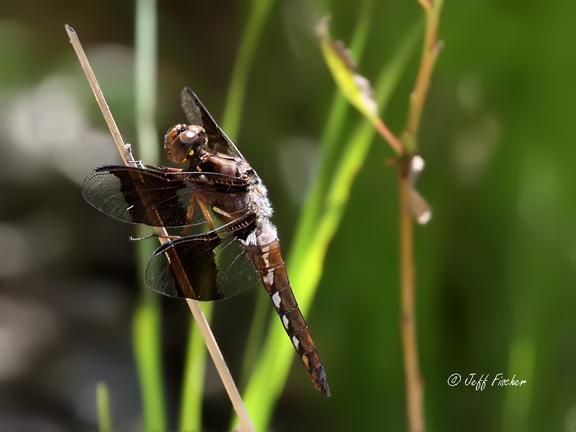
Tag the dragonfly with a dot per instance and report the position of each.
(219, 207)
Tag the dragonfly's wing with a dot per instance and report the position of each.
(156, 197)
(197, 114)
(205, 267)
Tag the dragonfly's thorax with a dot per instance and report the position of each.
(257, 196)
(224, 164)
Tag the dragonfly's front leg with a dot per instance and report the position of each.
(205, 212)
(156, 235)
(196, 200)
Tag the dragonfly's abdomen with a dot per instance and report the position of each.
(270, 266)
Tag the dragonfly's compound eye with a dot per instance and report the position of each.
(193, 135)
(182, 141)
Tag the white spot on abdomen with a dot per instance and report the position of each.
(285, 321)
(269, 278)
(265, 259)
(295, 341)
(276, 299)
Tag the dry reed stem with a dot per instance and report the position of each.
(406, 148)
(414, 385)
(414, 382)
(126, 155)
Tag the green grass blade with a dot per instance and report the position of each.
(259, 12)
(194, 373)
(334, 125)
(516, 406)
(103, 408)
(331, 137)
(337, 113)
(148, 348)
(352, 85)
(194, 369)
(305, 264)
(147, 319)
(145, 81)
(260, 318)
(339, 106)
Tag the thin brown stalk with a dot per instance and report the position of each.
(414, 382)
(414, 385)
(93, 82)
(389, 136)
(430, 51)
(407, 147)
(126, 155)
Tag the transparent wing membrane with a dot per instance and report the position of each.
(157, 198)
(197, 114)
(205, 267)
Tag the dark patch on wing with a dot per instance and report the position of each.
(215, 265)
(154, 197)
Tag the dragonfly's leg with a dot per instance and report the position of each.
(155, 235)
(189, 214)
(221, 212)
(196, 199)
(205, 213)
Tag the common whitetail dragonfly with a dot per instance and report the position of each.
(220, 195)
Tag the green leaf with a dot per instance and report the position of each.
(354, 86)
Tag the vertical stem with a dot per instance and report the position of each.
(414, 386)
(148, 316)
(430, 51)
(147, 342)
(103, 407)
(145, 80)
(245, 422)
(260, 318)
(193, 384)
(259, 11)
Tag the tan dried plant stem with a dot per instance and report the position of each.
(414, 381)
(413, 376)
(200, 319)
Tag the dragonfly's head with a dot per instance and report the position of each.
(183, 142)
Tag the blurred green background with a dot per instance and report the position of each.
(496, 266)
